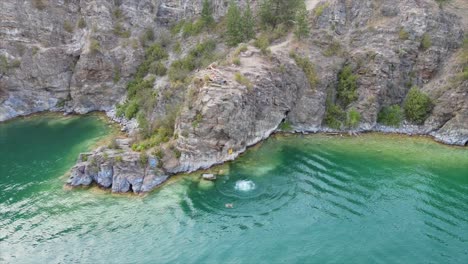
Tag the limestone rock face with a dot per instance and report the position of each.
(77, 55)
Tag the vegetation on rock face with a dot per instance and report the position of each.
(239, 27)
(241, 79)
(302, 24)
(347, 86)
(275, 12)
(353, 118)
(417, 106)
(335, 116)
(426, 41)
(207, 13)
(199, 56)
(308, 68)
(390, 116)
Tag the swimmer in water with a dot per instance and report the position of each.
(229, 205)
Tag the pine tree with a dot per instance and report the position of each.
(302, 26)
(248, 23)
(234, 30)
(275, 12)
(207, 13)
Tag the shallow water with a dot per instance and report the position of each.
(372, 199)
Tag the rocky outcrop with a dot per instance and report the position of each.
(119, 170)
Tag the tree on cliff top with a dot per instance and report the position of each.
(207, 13)
(275, 12)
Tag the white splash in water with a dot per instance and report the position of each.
(245, 186)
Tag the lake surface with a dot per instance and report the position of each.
(294, 199)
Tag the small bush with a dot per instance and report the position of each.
(263, 42)
(147, 37)
(39, 4)
(94, 46)
(390, 116)
(426, 42)
(177, 48)
(158, 68)
(143, 159)
(241, 79)
(318, 11)
(236, 61)
(403, 34)
(118, 159)
(117, 13)
(347, 86)
(353, 118)
(417, 106)
(308, 68)
(81, 23)
(131, 109)
(121, 32)
(334, 49)
(285, 126)
(334, 115)
(68, 26)
(15, 63)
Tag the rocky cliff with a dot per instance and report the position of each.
(78, 56)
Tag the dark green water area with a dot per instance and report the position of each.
(295, 199)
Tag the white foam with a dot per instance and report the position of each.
(245, 186)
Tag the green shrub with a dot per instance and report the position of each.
(241, 79)
(426, 42)
(199, 56)
(347, 86)
(334, 49)
(318, 11)
(390, 116)
(118, 159)
(94, 46)
(302, 24)
(207, 14)
(263, 42)
(193, 28)
(120, 31)
(334, 116)
(417, 106)
(308, 68)
(39, 4)
(353, 118)
(403, 34)
(3, 64)
(147, 37)
(285, 126)
(81, 23)
(177, 48)
(15, 63)
(132, 109)
(117, 13)
(68, 26)
(143, 159)
(158, 68)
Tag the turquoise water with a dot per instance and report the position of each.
(314, 199)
